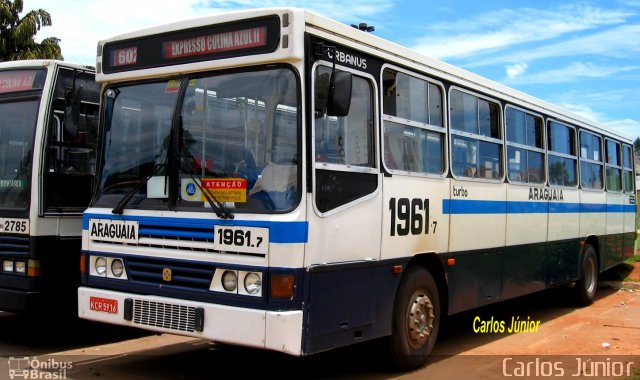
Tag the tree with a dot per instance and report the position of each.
(636, 145)
(17, 34)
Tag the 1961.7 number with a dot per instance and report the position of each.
(241, 239)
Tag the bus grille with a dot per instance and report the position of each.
(14, 245)
(164, 315)
(185, 275)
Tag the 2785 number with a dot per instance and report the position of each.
(14, 225)
(410, 216)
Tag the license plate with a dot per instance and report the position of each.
(103, 305)
(241, 239)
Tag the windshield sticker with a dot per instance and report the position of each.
(189, 191)
(173, 86)
(226, 189)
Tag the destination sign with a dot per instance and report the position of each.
(20, 80)
(247, 37)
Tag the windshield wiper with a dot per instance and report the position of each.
(123, 202)
(217, 206)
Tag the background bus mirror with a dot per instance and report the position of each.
(73, 100)
(339, 100)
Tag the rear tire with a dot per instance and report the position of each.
(585, 288)
(416, 319)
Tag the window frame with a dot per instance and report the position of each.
(562, 155)
(415, 124)
(591, 161)
(477, 137)
(618, 167)
(628, 169)
(528, 148)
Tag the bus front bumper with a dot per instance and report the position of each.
(19, 301)
(273, 330)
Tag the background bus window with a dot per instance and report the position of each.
(17, 127)
(562, 155)
(72, 142)
(614, 169)
(591, 161)
(413, 131)
(476, 137)
(525, 152)
(344, 149)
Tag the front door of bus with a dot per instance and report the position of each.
(344, 213)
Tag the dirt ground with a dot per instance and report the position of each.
(607, 332)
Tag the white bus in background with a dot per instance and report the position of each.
(275, 179)
(49, 114)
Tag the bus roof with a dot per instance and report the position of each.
(372, 44)
(42, 63)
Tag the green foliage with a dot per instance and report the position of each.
(17, 34)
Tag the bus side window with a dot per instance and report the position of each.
(347, 145)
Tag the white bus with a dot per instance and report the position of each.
(49, 115)
(275, 179)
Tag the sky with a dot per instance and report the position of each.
(583, 56)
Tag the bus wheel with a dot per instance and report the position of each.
(585, 288)
(416, 319)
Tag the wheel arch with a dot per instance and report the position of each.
(432, 262)
(594, 242)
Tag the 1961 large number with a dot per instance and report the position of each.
(410, 216)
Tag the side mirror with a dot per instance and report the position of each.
(72, 100)
(339, 100)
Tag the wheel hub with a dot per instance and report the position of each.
(420, 320)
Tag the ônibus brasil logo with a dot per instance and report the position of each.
(24, 367)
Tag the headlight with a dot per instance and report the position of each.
(101, 266)
(229, 281)
(117, 267)
(7, 265)
(252, 283)
(21, 267)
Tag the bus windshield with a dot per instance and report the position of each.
(229, 137)
(17, 126)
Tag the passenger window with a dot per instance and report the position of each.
(627, 166)
(591, 161)
(413, 132)
(614, 169)
(525, 153)
(476, 137)
(562, 155)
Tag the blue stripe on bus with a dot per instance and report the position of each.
(466, 206)
(279, 232)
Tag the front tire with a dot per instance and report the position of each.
(586, 286)
(416, 319)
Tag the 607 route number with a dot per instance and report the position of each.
(241, 239)
(410, 216)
